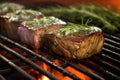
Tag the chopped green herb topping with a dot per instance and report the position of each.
(75, 29)
(23, 14)
(45, 21)
(105, 17)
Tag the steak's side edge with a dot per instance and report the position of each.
(33, 37)
(9, 28)
(88, 46)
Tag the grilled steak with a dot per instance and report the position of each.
(74, 41)
(9, 7)
(31, 32)
(10, 22)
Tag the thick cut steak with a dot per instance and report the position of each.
(10, 22)
(31, 32)
(75, 41)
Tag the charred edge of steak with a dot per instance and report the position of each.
(78, 47)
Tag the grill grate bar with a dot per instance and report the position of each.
(4, 71)
(18, 60)
(114, 34)
(27, 61)
(91, 74)
(113, 47)
(65, 72)
(2, 78)
(112, 42)
(112, 37)
(113, 69)
(106, 73)
(116, 77)
(17, 68)
(110, 67)
(112, 53)
(110, 59)
(7, 70)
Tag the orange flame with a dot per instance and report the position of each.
(77, 73)
(43, 77)
(61, 76)
(58, 74)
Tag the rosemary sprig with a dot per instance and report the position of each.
(74, 29)
(100, 16)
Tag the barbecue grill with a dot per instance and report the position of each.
(20, 62)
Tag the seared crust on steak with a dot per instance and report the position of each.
(31, 32)
(79, 46)
(10, 22)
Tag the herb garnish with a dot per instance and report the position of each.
(101, 16)
(23, 14)
(75, 29)
(43, 22)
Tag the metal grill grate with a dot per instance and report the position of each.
(103, 66)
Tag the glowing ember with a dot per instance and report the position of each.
(10, 56)
(60, 75)
(73, 71)
(77, 73)
(45, 67)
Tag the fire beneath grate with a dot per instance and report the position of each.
(19, 62)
